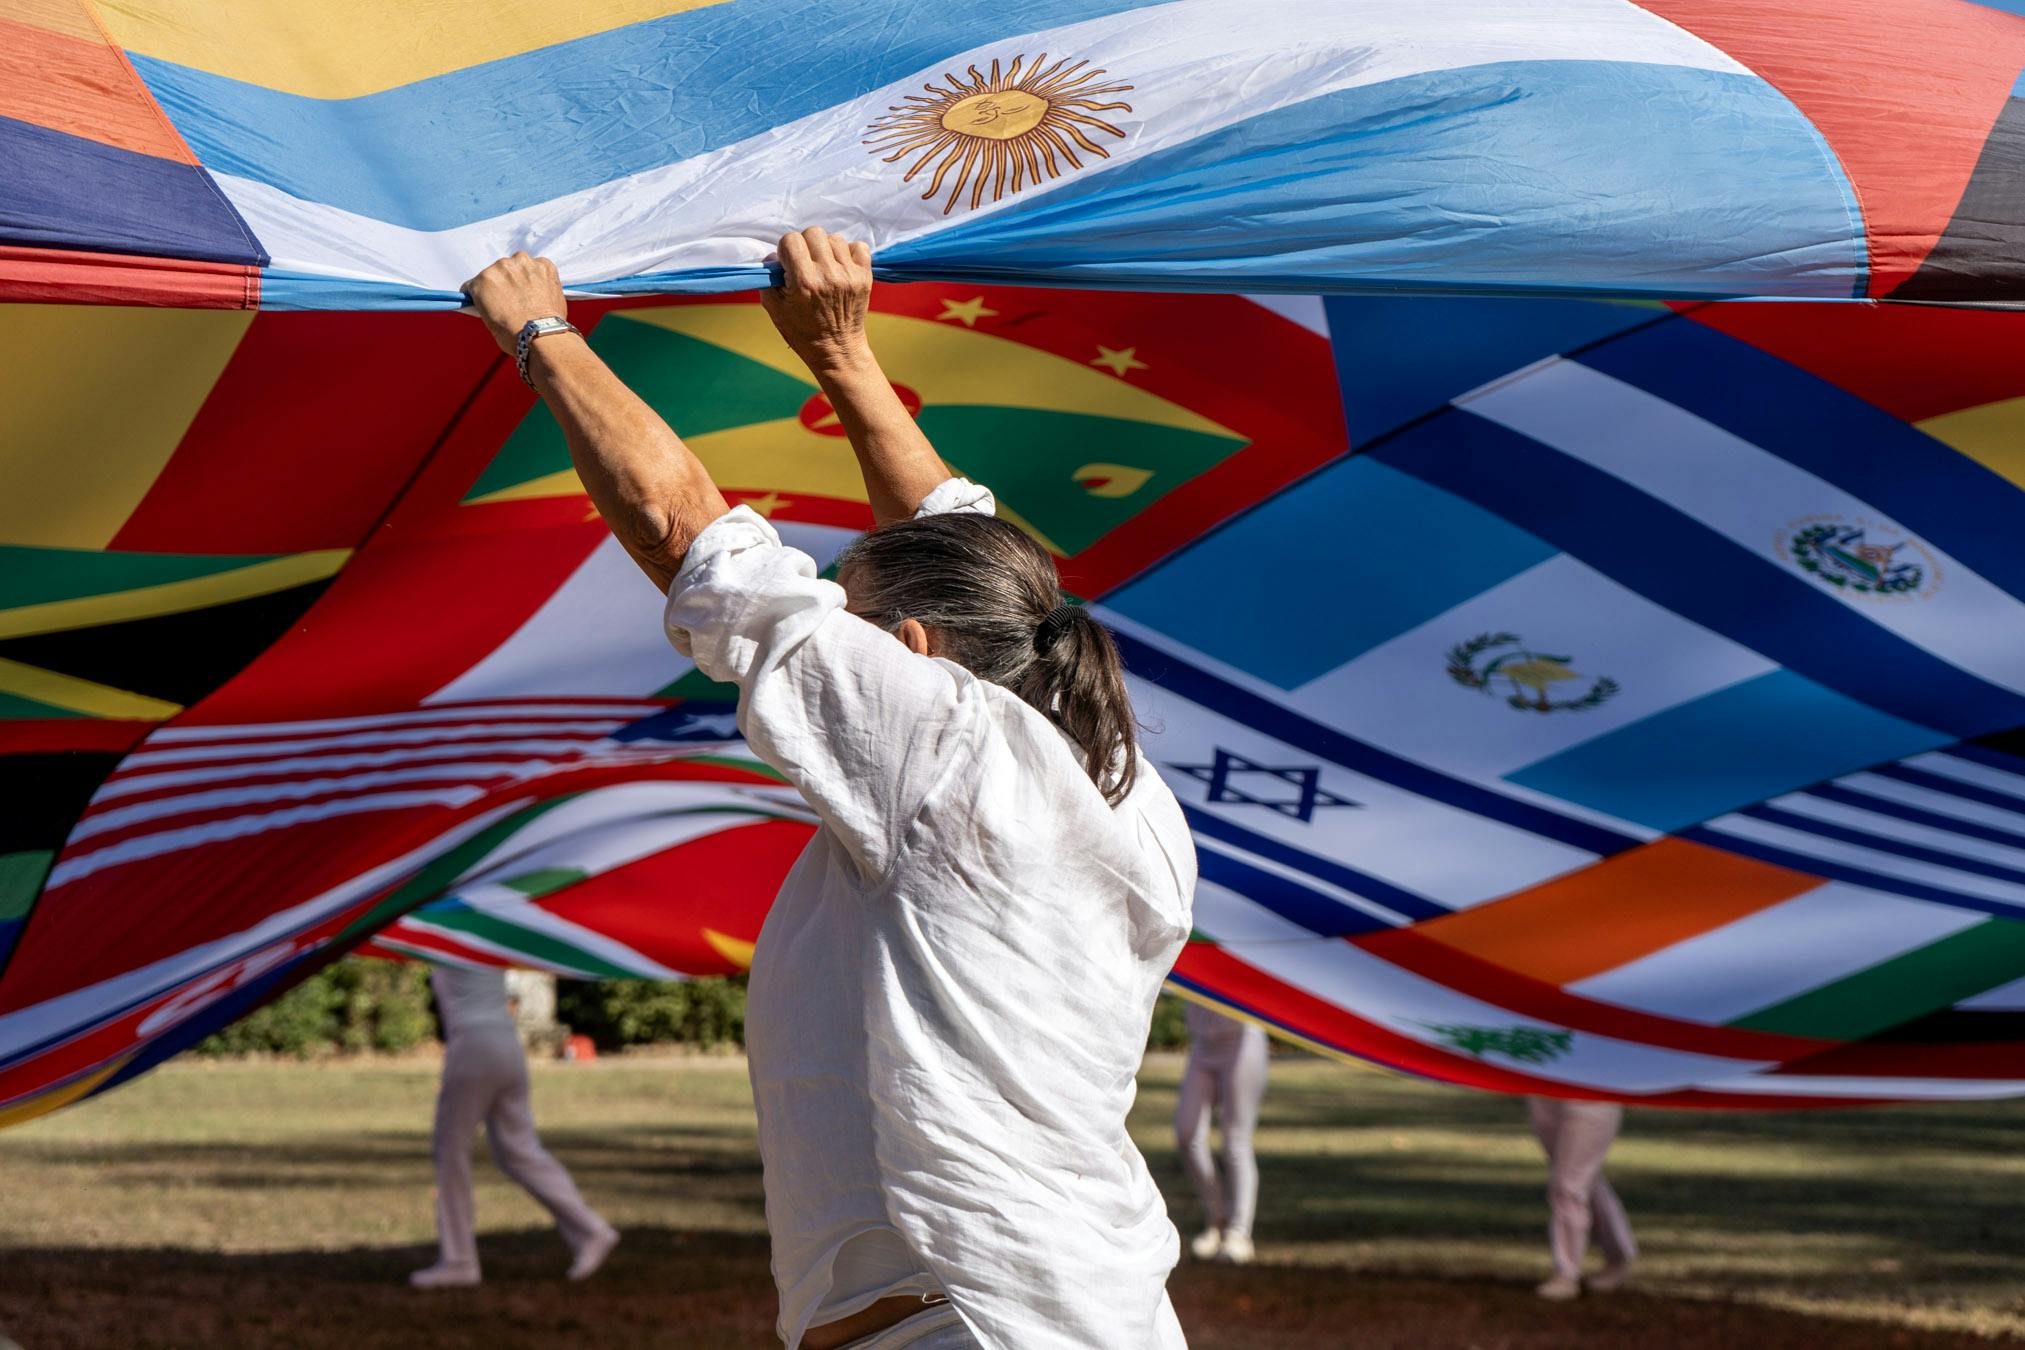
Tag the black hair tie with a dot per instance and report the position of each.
(1051, 629)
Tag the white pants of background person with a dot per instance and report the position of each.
(1226, 1072)
(485, 1082)
(1577, 1137)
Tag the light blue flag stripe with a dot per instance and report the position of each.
(1724, 750)
(524, 129)
(1360, 553)
(1341, 186)
(1676, 561)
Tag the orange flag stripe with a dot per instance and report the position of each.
(1618, 910)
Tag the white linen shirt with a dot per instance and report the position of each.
(950, 997)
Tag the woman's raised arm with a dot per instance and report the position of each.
(653, 493)
(819, 307)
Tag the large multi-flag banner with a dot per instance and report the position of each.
(1596, 698)
(288, 154)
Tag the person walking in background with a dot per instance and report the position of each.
(485, 1080)
(1226, 1072)
(1577, 1137)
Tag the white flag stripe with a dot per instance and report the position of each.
(1231, 916)
(1395, 695)
(1968, 771)
(1902, 831)
(171, 841)
(1936, 802)
(1753, 497)
(126, 785)
(1888, 1089)
(2009, 997)
(158, 808)
(1197, 67)
(1870, 859)
(1402, 1002)
(468, 712)
(598, 634)
(84, 1007)
(1749, 964)
(478, 731)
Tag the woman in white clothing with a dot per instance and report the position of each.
(1581, 1205)
(951, 994)
(1226, 1076)
(485, 1081)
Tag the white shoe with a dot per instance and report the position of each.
(1205, 1245)
(1609, 1279)
(593, 1252)
(1237, 1249)
(442, 1276)
(1560, 1289)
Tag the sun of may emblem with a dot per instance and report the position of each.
(1860, 557)
(1004, 130)
(1523, 677)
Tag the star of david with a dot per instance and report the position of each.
(1307, 794)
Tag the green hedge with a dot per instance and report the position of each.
(353, 1005)
(615, 1013)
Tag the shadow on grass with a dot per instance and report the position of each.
(711, 1291)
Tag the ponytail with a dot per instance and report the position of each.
(992, 596)
(1078, 679)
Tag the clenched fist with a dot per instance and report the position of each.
(512, 291)
(819, 305)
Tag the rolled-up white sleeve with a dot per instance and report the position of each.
(862, 726)
(957, 495)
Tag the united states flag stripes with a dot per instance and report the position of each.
(193, 786)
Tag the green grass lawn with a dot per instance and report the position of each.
(281, 1205)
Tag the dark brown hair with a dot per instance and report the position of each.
(989, 593)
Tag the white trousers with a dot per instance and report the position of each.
(485, 1081)
(1233, 1085)
(1577, 1136)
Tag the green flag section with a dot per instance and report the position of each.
(545, 880)
(1924, 980)
(524, 943)
(1071, 477)
(20, 879)
(697, 386)
(40, 576)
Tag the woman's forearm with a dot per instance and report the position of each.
(900, 467)
(653, 493)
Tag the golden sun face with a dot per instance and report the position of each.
(1002, 130)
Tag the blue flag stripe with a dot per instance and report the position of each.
(1297, 904)
(1405, 902)
(1927, 486)
(1844, 795)
(1643, 542)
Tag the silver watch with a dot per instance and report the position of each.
(531, 330)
